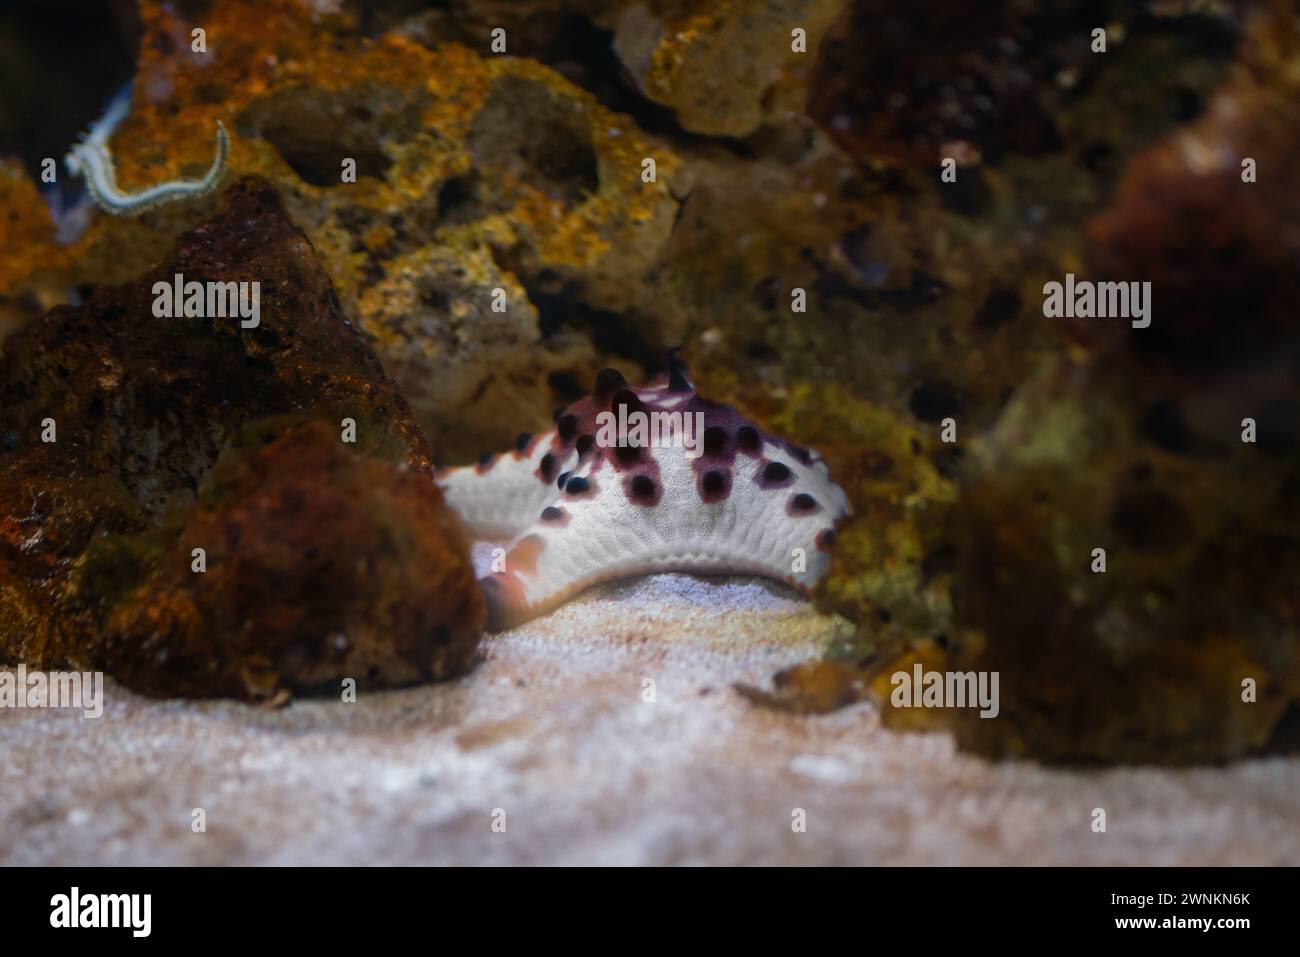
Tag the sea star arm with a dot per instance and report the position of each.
(502, 495)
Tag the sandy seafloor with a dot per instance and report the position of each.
(551, 727)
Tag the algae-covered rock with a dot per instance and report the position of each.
(715, 63)
(317, 513)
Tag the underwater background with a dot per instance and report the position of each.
(842, 216)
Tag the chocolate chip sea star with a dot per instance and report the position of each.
(580, 510)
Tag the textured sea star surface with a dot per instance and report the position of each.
(579, 509)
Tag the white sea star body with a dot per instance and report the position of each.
(579, 510)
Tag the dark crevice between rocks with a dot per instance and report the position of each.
(374, 19)
(922, 290)
(1150, 521)
(584, 54)
(566, 386)
(1278, 426)
(1163, 424)
(1000, 306)
(935, 401)
(969, 195)
(867, 255)
(947, 461)
(459, 200)
(1285, 738)
(560, 305)
(939, 560)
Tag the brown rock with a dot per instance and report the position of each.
(811, 687)
(152, 400)
(908, 81)
(1219, 251)
(321, 565)
(309, 538)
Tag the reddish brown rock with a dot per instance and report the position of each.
(326, 559)
(320, 565)
(1219, 251)
(903, 81)
(152, 400)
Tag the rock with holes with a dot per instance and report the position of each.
(721, 68)
(636, 480)
(462, 336)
